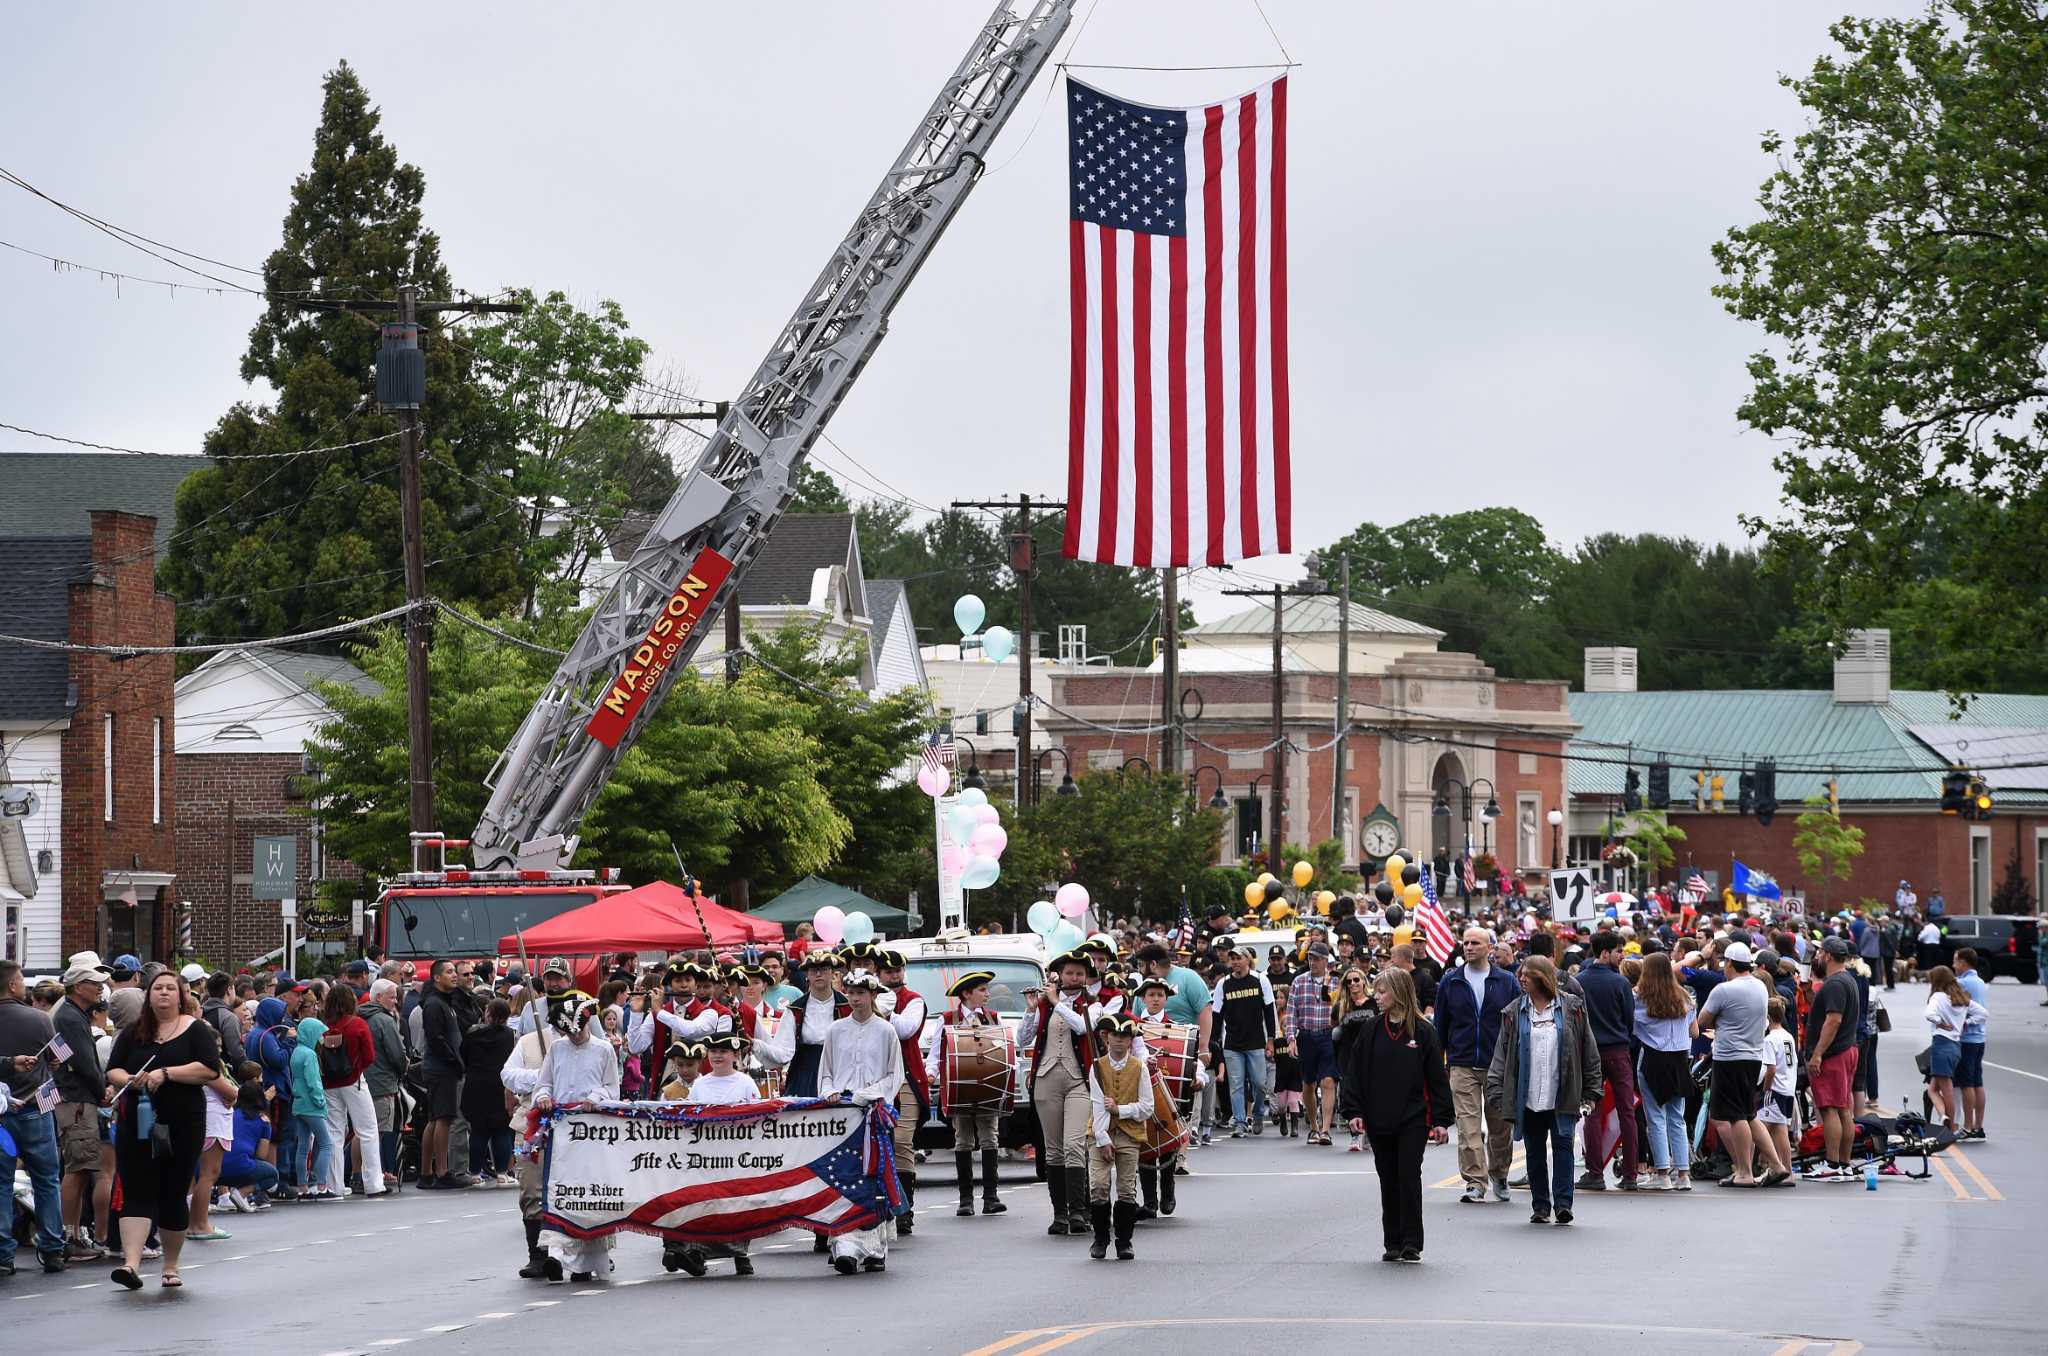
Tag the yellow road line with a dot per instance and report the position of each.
(1059, 1337)
(1515, 1161)
(1991, 1193)
(1074, 1336)
(1953, 1185)
(1845, 1347)
(1793, 1347)
(1012, 1340)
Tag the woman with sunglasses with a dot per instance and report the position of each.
(1351, 1013)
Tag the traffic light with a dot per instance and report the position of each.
(1699, 790)
(1660, 786)
(1745, 793)
(1980, 801)
(1718, 792)
(1835, 797)
(1632, 791)
(1766, 791)
(1955, 791)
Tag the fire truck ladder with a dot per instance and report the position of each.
(552, 771)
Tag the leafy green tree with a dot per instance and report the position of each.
(1827, 848)
(1898, 271)
(268, 541)
(1652, 836)
(1327, 857)
(2012, 894)
(1134, 839)
(556, 377)
(818, 492)
(1503, 548)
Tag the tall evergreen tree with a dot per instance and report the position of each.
(268, 541)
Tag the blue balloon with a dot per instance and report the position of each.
(1063, 938)
(980, 872)
(996, 643)
(968, 613)
(961, 822)
(973, 795)
(1042, 917)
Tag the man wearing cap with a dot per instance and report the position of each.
(1737, 1014)
(1832, 1026)
(24, 1044)
(1243, 1002)
(973, 1131)
(1056, 1030)
(862, 1062)
(124, 991)
(798, 1042)
(1119, 1102)
(82, 1086)
(914, 1098)
(1309, 1040)
(555, 981)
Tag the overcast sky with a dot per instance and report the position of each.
(1500, 219)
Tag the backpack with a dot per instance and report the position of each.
(335, 1066)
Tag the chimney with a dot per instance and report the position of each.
(1610, 668)
(1863, 668)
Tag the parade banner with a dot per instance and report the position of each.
(718, 1174)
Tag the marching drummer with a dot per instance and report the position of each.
(974, 1130)
(1158, 1187)
(724, 1085)
(1120, 1102)
(1108, 996)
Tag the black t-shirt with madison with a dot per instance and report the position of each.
(1837, 994)
(1248, 1019)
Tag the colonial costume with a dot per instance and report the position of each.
(580, 1067)
(1156, 1181)
(684, 1016)
(973, 1131)
(716, 1089)
(1056, 1029)
(1120, 1102)
(862, 1061)
(798, 1041)
(521, 1075)
(914, 1098)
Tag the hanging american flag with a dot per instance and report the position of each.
(1696, 885)
(938, 752)
(1178, 418)
(1437, 937)
(1471, 879)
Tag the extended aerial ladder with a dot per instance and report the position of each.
(689, 565)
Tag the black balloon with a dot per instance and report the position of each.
(1383, 892)
(1411, 874)
(1275, 891)
(1395, 913)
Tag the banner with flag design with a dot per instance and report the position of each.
(718, 1174)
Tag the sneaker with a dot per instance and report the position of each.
(1971, 1134)
(1564, 1216)
(1411, 1254)
(83, 1249)
(1357, 1145)
(1631, 1184)
(1592, 1181)
(1500, 1188)
(213, 1235)
(1656, 1180)
(1237, 1129)
(1474, 1195)
(1681, 1179)
(239, 1203)
(1258, 1125)
(1818, 1172)
(259, 1203)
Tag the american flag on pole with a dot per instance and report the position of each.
(1437, 937)
(1696, 884)
(1471, 880)
(938, 752)
(1178, 418)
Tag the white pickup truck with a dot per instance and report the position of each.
(1017, 960)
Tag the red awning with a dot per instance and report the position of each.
(656, 917)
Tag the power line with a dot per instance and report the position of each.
(106, 274)
(239, 456)
(122, 233)
(270, 642)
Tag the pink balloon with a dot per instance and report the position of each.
(989, 840)
(951, 859)
(830, 924)
(987, 814)
(1072, 900)
(933, 780)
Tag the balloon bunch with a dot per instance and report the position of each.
(1051, 918)
(976, 829)
(969, 613)
(1399, 889)
(833, 925)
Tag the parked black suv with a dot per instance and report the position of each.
(2004, 943)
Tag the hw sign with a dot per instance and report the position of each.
(275, 872)
(652, 657)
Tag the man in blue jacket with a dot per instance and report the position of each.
(1469, 1002)
(1611, 1013)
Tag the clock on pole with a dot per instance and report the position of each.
(1380, 837)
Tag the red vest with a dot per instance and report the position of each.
(748, 1017)
(1084, 1043)
(913, 1060)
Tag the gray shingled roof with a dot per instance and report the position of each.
(310, 670)
(36, 574)
(802, 544)
(1313, 615)
(884, 597)
(56, 492)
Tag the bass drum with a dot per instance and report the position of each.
(1174, 1056)
(1165, 1134)
(977, 1070)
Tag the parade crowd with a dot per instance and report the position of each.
(1654, 1051)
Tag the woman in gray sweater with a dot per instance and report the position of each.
(1545, 1075)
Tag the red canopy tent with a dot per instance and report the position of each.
(656, 917)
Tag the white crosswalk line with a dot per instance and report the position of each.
(91, 1284)
(445, 1327)
(542, 1304)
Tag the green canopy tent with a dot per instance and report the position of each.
(800, 901)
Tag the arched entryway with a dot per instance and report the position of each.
(1446, 783)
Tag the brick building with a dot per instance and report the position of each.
(1424, 727)
(244, 718)
(90, 737)
(1885, 750)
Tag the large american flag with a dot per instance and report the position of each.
(1178, 421)
(1437, 937)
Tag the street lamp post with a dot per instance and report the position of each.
(1219, 801)
(973, 781)
(1556, 818)
(1067, 785)
(1441, 808)
(1134, 759)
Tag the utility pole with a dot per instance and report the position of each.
(402, 389)
(1338, 815)
(1023, 564)
(1169, 686)
(1277, 835)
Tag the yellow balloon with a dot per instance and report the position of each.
(1303, 874)
(1324, 899)
(1267, 876)
(1395, 866)
(1279, 909)
(1254, 891)
(1412, 895)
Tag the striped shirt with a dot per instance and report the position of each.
(1308, 1004)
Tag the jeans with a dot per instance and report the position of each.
(35, 1139)
(313, 1133)
(291, 1152)
(255, 1173)
(1620, 1072)
(491, 1152)
(1670, 1141)
(1547, 1141)
(1247, 1077)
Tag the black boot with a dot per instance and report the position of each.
(1077, 1200)
(1056, 1187)
(1098, 1217)
(1126, 1221)
(963, 1166)
(536, 1268)
(1148, 1186)
(904, 1221)
(1166, 1201)
(991, 1204)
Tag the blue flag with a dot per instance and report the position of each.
(1757, 883)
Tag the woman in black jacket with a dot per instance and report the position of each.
(485, 1048)
(1397, 1094)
